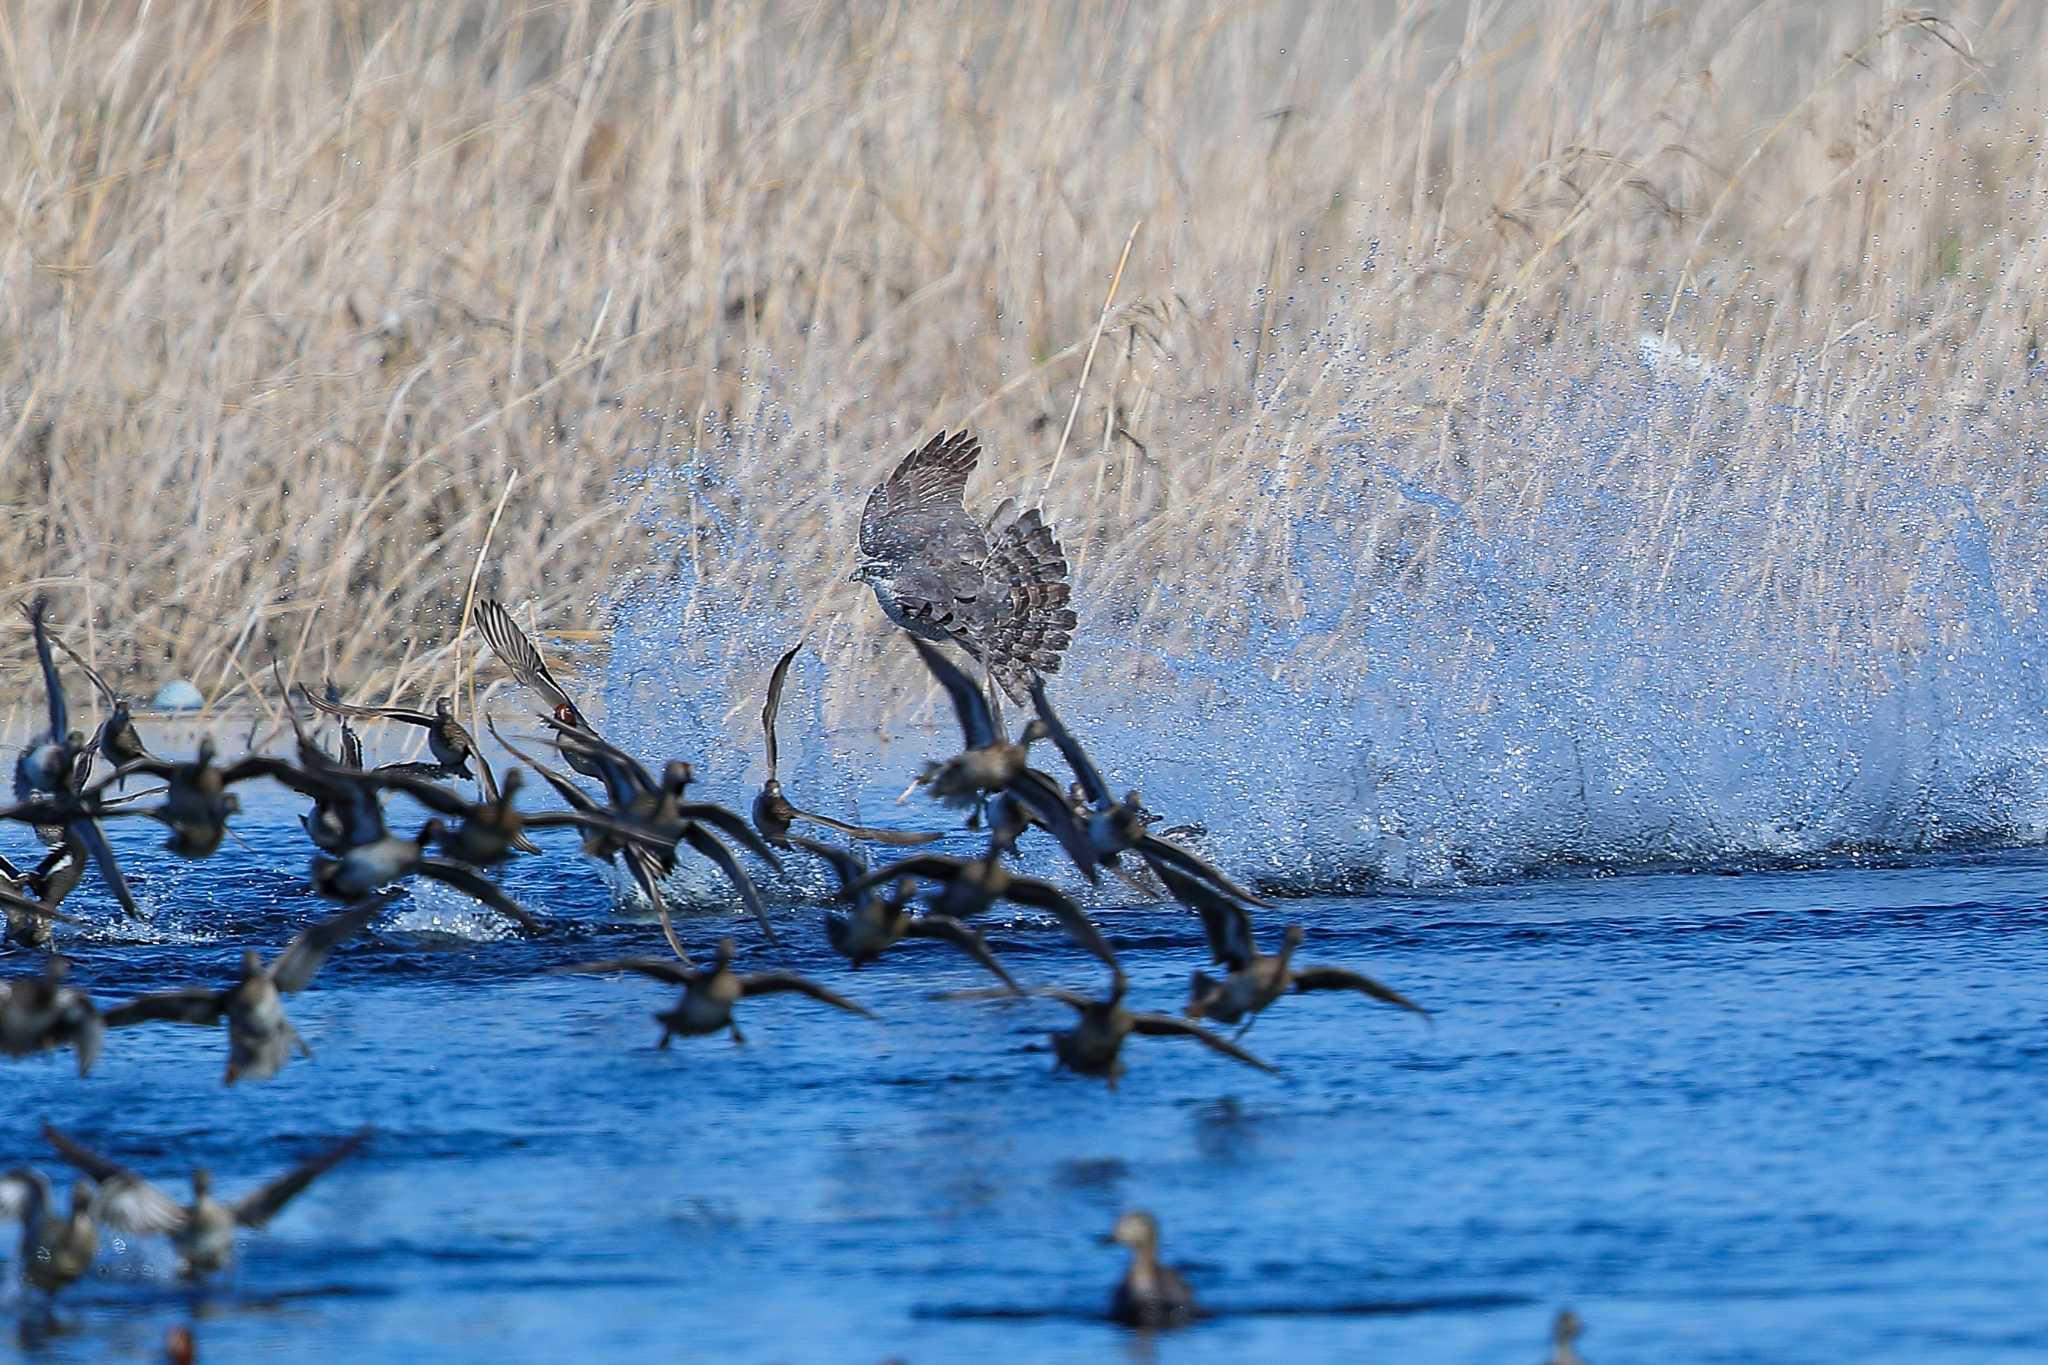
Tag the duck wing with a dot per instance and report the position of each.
(192, 1005)
(259, 1206)
(1168, 1026)
(88, 833)
(24, 1194)
(293, 969)
(1085, 772)
(333, 706)
(947, 929)
(1040, 795)
(1226, 924)
(899, 838)
(575, 796)
(660, 969)
(53, 686)
(1156, 850)
(970, 705)
(624, 775)
(522, 660)
(774, 702)
(706, 843)
(92, 675)
(727, 822)
(1338, 979)
(647, 873)
(478, 888)
(432, 795)
(931, 867)
(845, 863)
(1045, 896)
(777, 983)
(124, 1201)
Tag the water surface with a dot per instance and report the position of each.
(1792, 1116)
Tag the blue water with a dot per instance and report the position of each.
(1785, 1116)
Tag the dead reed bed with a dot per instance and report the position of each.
(292, 295)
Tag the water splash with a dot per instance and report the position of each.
(1623, 671)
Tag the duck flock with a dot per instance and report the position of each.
(996, 589)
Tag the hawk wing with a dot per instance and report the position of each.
(919, 513)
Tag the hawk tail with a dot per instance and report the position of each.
(1035, 626)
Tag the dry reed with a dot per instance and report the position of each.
(289, 293)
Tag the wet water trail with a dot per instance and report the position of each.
(1782, 1115)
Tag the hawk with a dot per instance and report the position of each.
(998, 590)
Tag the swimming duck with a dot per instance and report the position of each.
(1257, 980)
(1150, 1294)
(41, 1013)
(524, 663)
(1115, 827)
(56, 1248)
(877, 923)
(1094, 1046)
(991, 764)
(202, 1232)
(260, 1037)
(970, 886)
(710, 994)
(1564, 1337)
(451, 745)
(774, 813)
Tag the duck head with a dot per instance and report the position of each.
(676, 776)
(202, 1184)
(433, 832)
(444, 708)
(204, 758)
(1137, 1230)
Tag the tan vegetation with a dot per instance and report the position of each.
(290, 293)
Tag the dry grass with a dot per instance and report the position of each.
(288, 292)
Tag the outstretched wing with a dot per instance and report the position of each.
(1092, 785)
(523, 661)
(1158, 852)
(845, 862)
(481, 890)
(124, 1201)
(1045, 896)
(294, 968)
(706, 843)
(977, 726)
(920, 512)
(660, 969)
(193, 1005)
(258, 1207)
(1165, 1025)
(1338, 979)
(1226, 924)
(53, 686)
(773, 983)
(774, 702)
(946, 929)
